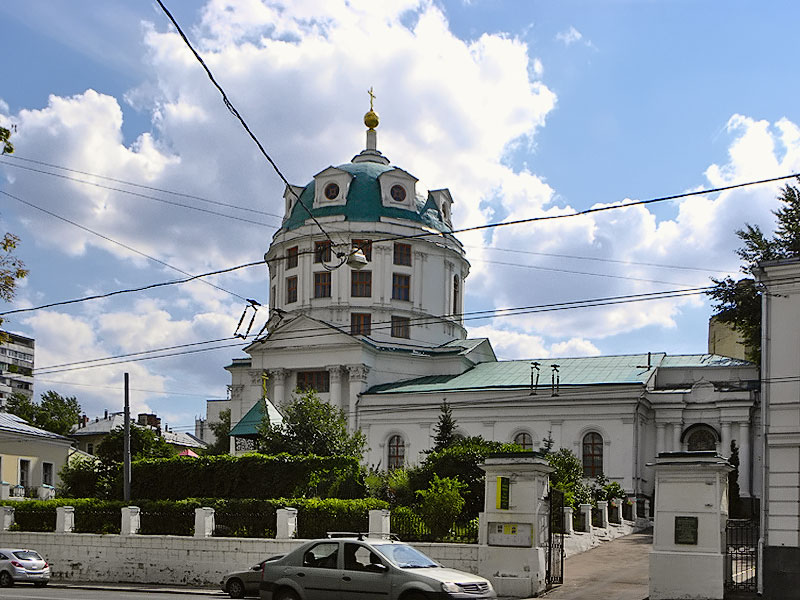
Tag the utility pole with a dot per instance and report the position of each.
(126, 447)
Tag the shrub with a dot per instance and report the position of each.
(441, 504)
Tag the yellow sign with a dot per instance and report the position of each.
(503, 485)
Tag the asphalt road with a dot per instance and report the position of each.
(28, 592)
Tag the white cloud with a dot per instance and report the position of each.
(570, 36)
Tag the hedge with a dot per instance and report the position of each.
(248, 476)
(253, 517)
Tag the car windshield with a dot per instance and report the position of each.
(405, 556)
(27, 555)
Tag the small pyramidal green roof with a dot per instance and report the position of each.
(248, 425)
(364, 201)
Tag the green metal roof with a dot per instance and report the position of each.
(704, 360)
(592, 370)
(364, 201)
(248, 425)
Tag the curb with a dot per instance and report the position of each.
(140, 588)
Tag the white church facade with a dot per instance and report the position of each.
(379, 334)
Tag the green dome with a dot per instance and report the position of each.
(364, 201)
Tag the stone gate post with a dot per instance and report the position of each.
(691, 509)
(514, 523)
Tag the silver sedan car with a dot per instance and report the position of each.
(23, 565)
(367, 569)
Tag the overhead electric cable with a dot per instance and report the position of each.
(232, 109)
(140, 195)
(16, 157)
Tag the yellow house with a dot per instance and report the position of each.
(30, 457)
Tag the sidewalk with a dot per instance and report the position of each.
(619, 569)
(142, 588)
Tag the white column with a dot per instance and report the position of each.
(744, 458)
(634, 507)
(336, 387)
(660, 439)
(278, 377)
(725, 439)
(65, 519)
(204, 522)
(568, 520)
(6, 517)
(130, 520)
(286, 528)
(358, 381)
(5, 490)
(417, 277)
(676, 437)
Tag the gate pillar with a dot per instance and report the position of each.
(691, 509)
(515, 522)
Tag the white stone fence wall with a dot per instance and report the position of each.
(203, 559)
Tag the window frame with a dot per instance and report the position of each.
(292, 259)
(322, 284)
(593, 441)
(401, 286)
(401, 255)
(291, 289)
(316, 380)
(322, 251)
(395, 452)
(361, 289)
(400, 326)
(48, 478)
(525, 445)
(360, 323)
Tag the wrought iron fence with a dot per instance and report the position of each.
(35, 520)
(597, 517)
(166, 522)
(245, 524)
(411, 528)
(627, 510)
(741, 555)
(614, 514)
(579, 521)
(97, 520)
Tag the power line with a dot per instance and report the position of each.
(113, 241)
(146, 196)
(232, 109)
(120, 388)
(138, 185)
(139, 289)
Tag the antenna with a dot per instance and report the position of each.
(556, 380)
(534, 382)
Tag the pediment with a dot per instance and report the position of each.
(303, 331)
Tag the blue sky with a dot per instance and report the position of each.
(521, 108)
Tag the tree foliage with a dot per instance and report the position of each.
(445, 428)
(55, 412)
(221, 431)
(738, 302)
(441, 504)
(568, 477)
(145, 443)
(310, 427)
(11, 267)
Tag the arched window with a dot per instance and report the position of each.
(701, 438)
(524, 439)
(592, 454)
(397, 452)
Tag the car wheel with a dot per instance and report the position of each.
(5, 579)
(236, 588)
(286, 595)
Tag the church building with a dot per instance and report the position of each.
(367, 284)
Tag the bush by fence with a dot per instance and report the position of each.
(237, 517)
(248, 476)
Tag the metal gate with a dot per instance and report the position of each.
(555, 539)
(741, 556)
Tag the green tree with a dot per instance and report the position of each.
(310, 426)
(441, 504)
(55, 413)
(568, 477)
(737, 302)
(221, 430)
(445, 428)
(145, 443)
(11, 267)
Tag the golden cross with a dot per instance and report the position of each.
(371, 97)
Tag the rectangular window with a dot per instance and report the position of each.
(401, 287)
(402, 254)
(322, 285)
(291, 289)
(319, 381)
(361, 284)
(24, 473)
(47, 473)
(401, 327)
(322, 251)
(365, 246)
(360, 323)
(291, 258)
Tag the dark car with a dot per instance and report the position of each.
(367, 569)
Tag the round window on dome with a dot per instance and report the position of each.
(332, 191)
(398, 193)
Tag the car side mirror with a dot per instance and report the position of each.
(376, 568)
(256, 567)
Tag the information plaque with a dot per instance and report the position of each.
(686, 530)
(503, 489)
(510, 534)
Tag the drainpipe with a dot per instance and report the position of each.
(765, 376)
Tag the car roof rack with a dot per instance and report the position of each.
(360, 535)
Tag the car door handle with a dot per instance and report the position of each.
(346, 578)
